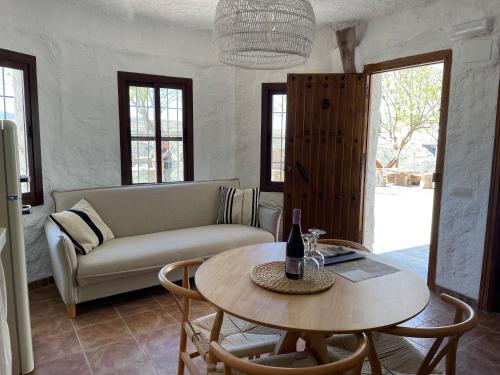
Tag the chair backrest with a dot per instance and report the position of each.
(183, 292)
(352, 362)
(345, 243)
(446, 337)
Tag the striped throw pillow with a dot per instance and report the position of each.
(83, 225)
(239, 206)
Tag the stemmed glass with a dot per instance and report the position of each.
(309, 262)
(316, 253)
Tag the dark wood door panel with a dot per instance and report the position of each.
(324, 152)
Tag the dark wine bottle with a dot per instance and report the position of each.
(295, 249)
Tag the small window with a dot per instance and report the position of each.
(155, 128)
(19, 103)
(272, 171)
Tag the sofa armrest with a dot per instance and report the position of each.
(64, 262)
(270, 219)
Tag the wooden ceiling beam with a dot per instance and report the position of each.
(346, 40)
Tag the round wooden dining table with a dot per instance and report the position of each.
(347, 307)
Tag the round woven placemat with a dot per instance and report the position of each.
(272, 276)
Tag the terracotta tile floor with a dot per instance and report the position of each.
(138, 333)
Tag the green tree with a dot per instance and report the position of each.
(411, 101)
(143, 99)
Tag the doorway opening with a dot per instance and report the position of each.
(405, 154)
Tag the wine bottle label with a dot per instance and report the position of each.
(292, 265)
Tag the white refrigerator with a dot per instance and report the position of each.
(13, 262)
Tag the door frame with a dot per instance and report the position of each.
(444, 56)
(489, 292)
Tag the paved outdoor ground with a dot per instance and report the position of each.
(403, 218)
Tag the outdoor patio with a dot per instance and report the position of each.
(403, 225)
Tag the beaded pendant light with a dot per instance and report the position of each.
(264, 34)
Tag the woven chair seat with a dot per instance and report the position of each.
(299, 360)
(241, 338)
(396, 354)
(288, 360)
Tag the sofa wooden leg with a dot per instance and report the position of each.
(71, 310)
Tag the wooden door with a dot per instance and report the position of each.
(324, 155)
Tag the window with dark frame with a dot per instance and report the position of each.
(273, 132)
(156, 128)
(19, 103)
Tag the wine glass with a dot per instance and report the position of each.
(307, 238)
(309, 262)
(315, 251)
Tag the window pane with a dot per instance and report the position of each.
(171, 112)
(277, 155)
(172, 153)
(12, 107)
(277, 172)
(142, 111)
(278, 140)
(143, 162)
(9, 78)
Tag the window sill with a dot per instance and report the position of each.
(276, 187)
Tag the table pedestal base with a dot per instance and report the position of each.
(317, 343)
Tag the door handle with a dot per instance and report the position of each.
(302, 172)
(24, 178)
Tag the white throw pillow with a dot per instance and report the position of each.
(83, 225)
(239, 206)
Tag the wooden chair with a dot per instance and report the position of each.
(344, 243)
(446, 337)
(395, 353)
(241, 338)
(296, 363)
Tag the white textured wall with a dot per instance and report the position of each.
(371, 157)
(471, 121)
(78, 53)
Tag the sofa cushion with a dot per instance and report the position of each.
(142, 209)
(138, 254)
(84, 227)
(239, 206)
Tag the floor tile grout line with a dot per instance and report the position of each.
(473, 343)
(141, 313)
(492, 330)
(114, 340)
(81, 347)
(469, 343)
(162, 307)
(146, 355)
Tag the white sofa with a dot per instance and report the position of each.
(154, 225)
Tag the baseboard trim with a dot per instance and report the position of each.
(37, 284)
(471, 301)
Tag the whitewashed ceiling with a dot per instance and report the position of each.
(199, 14)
